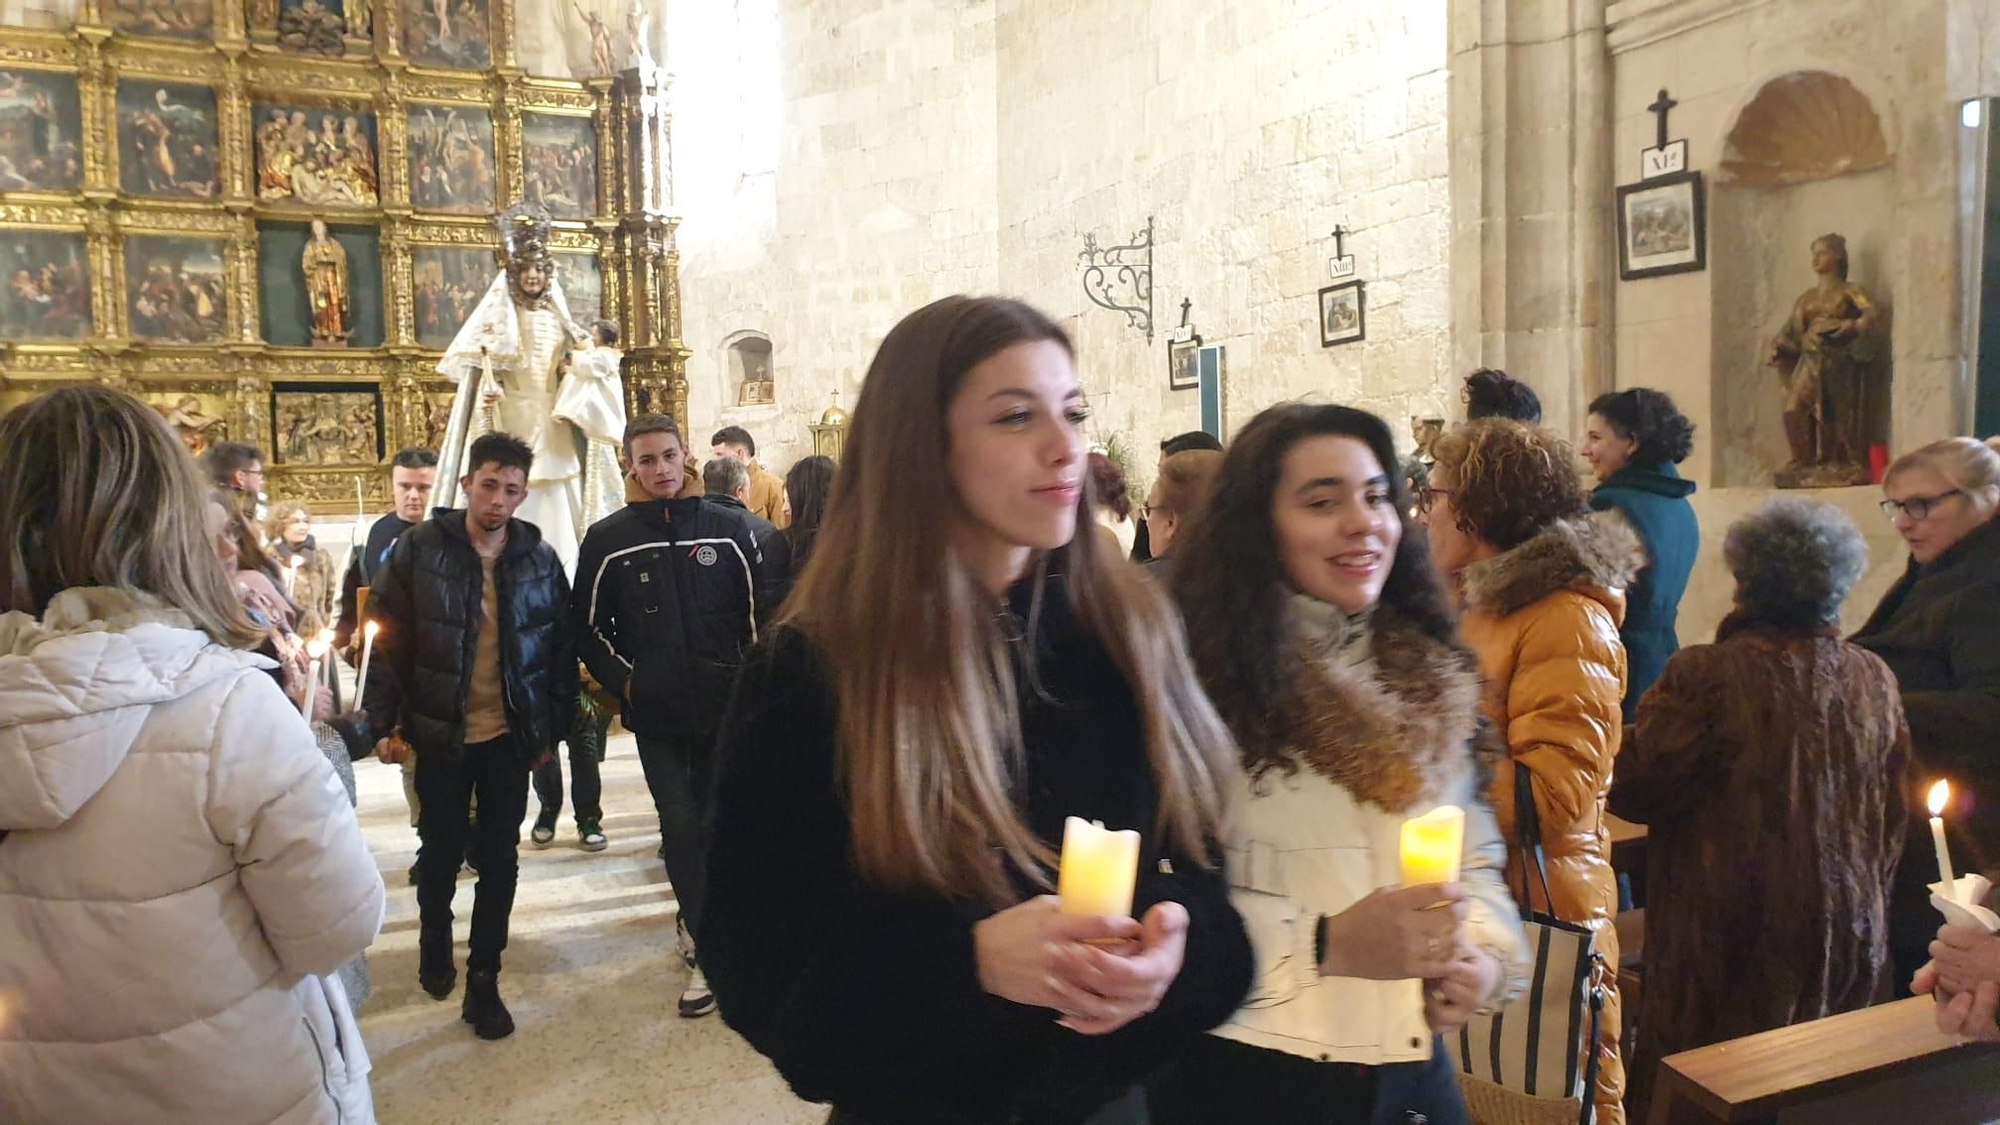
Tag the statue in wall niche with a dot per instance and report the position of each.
(324, 263)
(1832, 354)
(1417, 470)
(758, 389)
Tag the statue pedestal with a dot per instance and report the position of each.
(1821, 476)
(320, 342)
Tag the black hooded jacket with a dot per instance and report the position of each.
(427, 598)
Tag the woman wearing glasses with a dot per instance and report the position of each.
(1937, 630)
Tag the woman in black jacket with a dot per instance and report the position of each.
(958, 672)
(1938, 629)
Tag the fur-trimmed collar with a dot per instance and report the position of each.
(1599, 551)
(1394, 736)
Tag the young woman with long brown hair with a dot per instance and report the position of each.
(959, 670)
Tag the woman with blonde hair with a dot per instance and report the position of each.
(293, 550)
(181, 871)
(1541, 587)
(1186, 481)
(962, 667)
(1938, 629)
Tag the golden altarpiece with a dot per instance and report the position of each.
(268, 218)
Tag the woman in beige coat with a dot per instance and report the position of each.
(179, 867)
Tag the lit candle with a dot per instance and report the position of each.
(292, 575)
(1431, 846)
(1098, 869)
(368, 632)
(1939, 798)
(314, 651)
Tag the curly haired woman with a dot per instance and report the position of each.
(1540, 581)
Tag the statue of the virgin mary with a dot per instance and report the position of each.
(510, 363)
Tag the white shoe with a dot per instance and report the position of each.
(696, 999)
(542, 835)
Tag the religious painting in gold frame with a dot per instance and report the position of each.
(41, 132)
(176, 289)
(44, 285)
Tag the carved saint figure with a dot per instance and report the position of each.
(1831, 355)
(325, 266)
(600, 42)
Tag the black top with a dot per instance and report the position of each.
(362, 567)
(774, 575)
(428, 599)
(1938, 629)
(869, 998)
(665, 607)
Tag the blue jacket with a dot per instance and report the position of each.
(1654, 499)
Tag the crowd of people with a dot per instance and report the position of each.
(866, 700)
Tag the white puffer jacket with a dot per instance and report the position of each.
(181, 871)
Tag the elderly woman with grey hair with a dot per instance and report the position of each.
(1769, 769)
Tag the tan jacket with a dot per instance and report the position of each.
(1543, 619)
(767, 496)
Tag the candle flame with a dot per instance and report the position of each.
(1940, 797)
(372, 628)
(317, 647)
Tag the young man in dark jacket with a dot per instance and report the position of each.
(665, 609)
(475, 670)
(412, 475)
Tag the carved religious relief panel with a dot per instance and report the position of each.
(173, 19)
(318, 156)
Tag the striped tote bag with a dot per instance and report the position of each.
(1534, 1061)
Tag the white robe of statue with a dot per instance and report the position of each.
(572, 424)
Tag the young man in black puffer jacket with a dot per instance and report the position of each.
(665, 609)
(476, 671)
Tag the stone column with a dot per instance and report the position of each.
(1531, 181)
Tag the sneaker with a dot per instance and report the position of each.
(482, 1008)
(696, 999)
(685, 943)
(544, 832)
(590, 837)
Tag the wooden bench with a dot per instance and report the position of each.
(1784, 1073)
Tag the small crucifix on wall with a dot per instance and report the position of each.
(1185, 330)
(1342, 263)
(1664, 158)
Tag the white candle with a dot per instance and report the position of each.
(292, 576)
(314, 651)
(1939, 797)
(368, 632)
(1099, 868)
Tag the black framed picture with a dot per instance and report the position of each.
(1662, 227)
(1183, 373)
(1343, 314)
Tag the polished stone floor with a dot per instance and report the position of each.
(591, 977)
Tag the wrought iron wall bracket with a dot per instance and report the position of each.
(1120, 278)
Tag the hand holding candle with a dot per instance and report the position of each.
(314, 651)
(1099, 868)
(1432, 845)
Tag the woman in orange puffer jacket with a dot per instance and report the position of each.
(1541, 585)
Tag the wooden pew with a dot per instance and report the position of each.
(1782, 1074)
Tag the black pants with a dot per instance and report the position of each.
(498, 774)
(586, 750)
(1221, 1080)
(677, 773)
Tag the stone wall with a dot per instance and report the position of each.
(926, 149)
(1701, 336)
